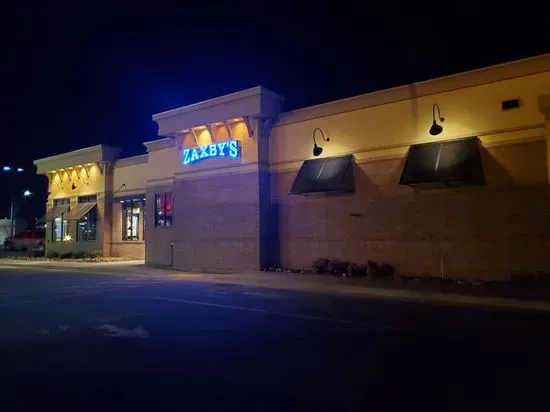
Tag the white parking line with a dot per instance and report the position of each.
(284, 314)
(77, 294)
(95, 292)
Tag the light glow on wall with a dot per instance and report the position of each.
(231, 149)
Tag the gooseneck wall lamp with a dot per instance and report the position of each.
(436, 128)
(317, 150)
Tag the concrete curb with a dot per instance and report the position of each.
(57, 264)
(439, 298)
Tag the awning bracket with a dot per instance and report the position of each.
(192, 131)
(211, 131)
(248, 126)
(228, 128)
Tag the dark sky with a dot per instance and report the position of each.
(83, 73)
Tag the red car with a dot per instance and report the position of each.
(27, 240)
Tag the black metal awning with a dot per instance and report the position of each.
(325, 175)
(80, 210)
(53, 212)
(453, 162)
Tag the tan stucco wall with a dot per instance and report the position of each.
(128, 180)
(60, 185)
(471, 111)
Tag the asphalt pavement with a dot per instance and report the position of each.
(96, 342)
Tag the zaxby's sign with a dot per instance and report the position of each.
(231, 149)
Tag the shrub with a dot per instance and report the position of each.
(337, 267)
(80, 254)
(52, 254)
(66, 255)
(35, 253)
(354, 270)
(320, 266)
(372, 269)
(95, 254)
(387, 270)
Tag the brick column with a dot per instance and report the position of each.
(544, 106)
(105, 210)
(268, 237)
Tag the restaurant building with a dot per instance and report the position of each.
(447, 177)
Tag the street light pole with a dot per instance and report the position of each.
(12, 208)
(26, 194)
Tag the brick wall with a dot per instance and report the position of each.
(478, 232)
(215, 225)
(134, 249)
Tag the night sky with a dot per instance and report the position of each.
(83, 73)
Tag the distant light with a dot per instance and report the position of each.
(67, 238)
(19, 169)
(6, 168)
(27, 193)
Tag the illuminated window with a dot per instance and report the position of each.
(163, 209)
(131, 212)
(60, 224)
(87, 223)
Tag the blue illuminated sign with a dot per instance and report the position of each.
(230, 149)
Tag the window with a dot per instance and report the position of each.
(60, 223)
(131, 211)
(87, 223)
(87, 199)
(163, 209)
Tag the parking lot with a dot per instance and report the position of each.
(98, 341)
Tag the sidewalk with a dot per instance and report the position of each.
(365, 288)
(386, 289)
